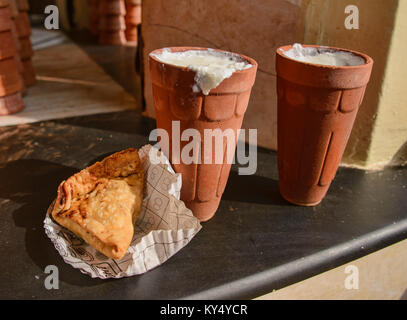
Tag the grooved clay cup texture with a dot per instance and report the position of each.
(223, 108)
(112, 7)
(29, 73)
(133, 14)
(19, 63)
(133, 19)
(13, 6)
(26, 50)
(23, 25)
(11, 104)
(7, 47)
(23, 5)
(93, 16)
(112, 37)
(112, 23)
(132, 35)
(317, 106)
(10, 79)
(5, 19)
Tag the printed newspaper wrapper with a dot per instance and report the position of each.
(164, 227)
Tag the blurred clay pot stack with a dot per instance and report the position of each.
(24, 32)
(133, 19)
(14, 14)
(115, 21)
(112, 24)
(93, 16)
(11, 84)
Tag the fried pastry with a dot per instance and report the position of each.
(101, 203)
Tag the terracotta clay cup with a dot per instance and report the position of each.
(133, 3)
(10, 80)
(93, 16)
(112, 23)
(28, 73)
(26, 50)
(112, 37)
(21, 71)
(132, 34)
(94, 26)
(7, 46)
(223, 108)
(317, 106)
(5, 19)
(23, 25)
(11, 104)
(133, 15)
(23, 5)
(112, 7)
(17, 43)
(13, 6)
(18, 62)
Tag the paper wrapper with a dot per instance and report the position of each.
(164, 227)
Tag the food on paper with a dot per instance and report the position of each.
(101, 203)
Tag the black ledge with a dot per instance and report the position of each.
(256, 243)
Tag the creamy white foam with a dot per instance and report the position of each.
(324, 56)
(211, 66)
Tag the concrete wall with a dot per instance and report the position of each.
(389, 135)
(381, 124)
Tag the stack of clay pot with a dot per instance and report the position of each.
(112, 24)
(11, 83)
(26, 52)
(12, 4)
(133, 19)
(93, 16)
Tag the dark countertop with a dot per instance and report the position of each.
(256, 242)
